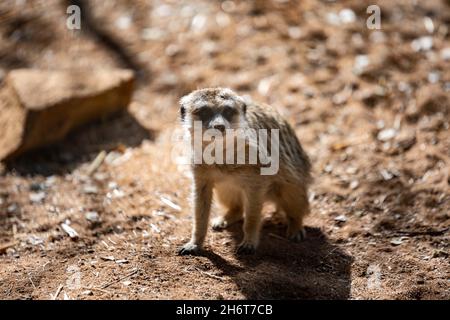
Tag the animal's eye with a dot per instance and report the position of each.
(203, 113)
(229, 112)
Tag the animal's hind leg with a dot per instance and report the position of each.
(294, 202)
(252, 222)
(231, 199)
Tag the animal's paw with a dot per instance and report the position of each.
(189, 249)
(219, 223)
(246, 248)
(298, 236)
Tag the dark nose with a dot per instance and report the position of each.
(219, 127)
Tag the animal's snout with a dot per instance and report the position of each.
(219, 126)
(218, 123)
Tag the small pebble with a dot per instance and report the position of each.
(87, 293)
(386, 134)
(422, 44)
(90, 189)
(37, 197)
(92, 216)
(341, 218)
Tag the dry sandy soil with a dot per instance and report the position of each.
(371, 108)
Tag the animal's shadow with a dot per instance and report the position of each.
(312, 269)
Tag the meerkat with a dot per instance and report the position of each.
(241, 188)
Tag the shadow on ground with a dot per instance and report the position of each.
(82, 145)
(313, 269)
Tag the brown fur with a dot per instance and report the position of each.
(241, 189)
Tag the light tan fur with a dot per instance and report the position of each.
(240, 188)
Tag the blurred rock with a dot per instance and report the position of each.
(153, 34)
(294, 33)
(387, 134)
(360, 64)
(341, 218)
(92, 216)
(40, 107)
(37, 197)
(124, 22)
(445, 54)
(377, 37)
(265, 85)
(422, 43)
(199, 23)
(433, 76)
(90, 189)
(347, 16)
(429, 25)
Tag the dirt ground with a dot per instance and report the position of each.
(371, 108)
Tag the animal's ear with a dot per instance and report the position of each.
(243, 103)
(182, 112)
(183, 103)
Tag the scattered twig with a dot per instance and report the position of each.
(329, 253)
(96, 163)
(31, 280)
(70, 231)
(273, 235)
(57, 292)
(45, 264)
(210, 274)
(97, 289)
(422, 233)
(170, 203)
(8, 293)
(120, 279)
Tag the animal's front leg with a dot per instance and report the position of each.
(202, 207)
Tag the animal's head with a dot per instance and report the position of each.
(215, 108)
